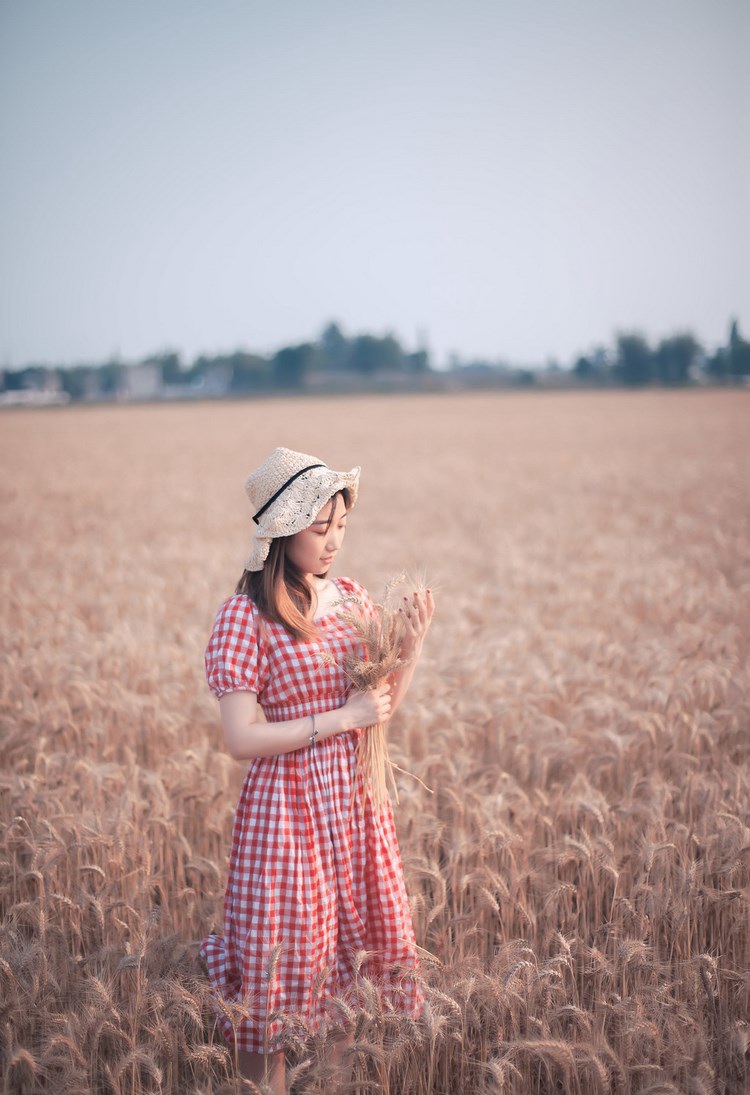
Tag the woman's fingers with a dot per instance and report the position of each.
(422, 608)
(383, 693)
(428, 607)
(414, 607)
(416, 614)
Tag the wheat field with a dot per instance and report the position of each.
(580, 873)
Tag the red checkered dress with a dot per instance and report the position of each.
(315, 876)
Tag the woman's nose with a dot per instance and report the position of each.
(333, 542)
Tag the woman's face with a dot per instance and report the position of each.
(314, 548)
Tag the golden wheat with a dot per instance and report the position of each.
(580, 877)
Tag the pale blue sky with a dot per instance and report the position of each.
(516, 180)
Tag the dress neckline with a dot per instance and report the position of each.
(333, 612)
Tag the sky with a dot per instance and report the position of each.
(506, 180)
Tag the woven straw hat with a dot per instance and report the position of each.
(286, 493)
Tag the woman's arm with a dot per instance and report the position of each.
(246, 737)
(417, 614)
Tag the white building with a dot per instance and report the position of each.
(141, 381)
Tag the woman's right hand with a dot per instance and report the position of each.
(370, 707)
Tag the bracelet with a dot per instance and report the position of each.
(314, 734)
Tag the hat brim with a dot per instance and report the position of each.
(296, 509)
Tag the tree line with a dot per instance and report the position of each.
(674, 360)
(677, 360)
(246, 372)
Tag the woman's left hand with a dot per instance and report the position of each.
(417, 613)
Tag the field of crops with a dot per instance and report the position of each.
(580, 873)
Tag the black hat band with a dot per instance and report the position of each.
(283, 487)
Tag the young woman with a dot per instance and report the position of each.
(315, 875)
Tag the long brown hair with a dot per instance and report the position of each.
(279, 589)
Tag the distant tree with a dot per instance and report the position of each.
(291, 364)
(634, 362)
(731, 361)
(111, 377)
(601, 361)
(32, 376)
(365, 355)
(738, 358)
(675, 357)
(172, 371)
(370, 354)
(14, 380)
(334, 348)
(392, 355)
(418, 362)
(198, 368)
(76, 381)
(584, 368)
(250, 371)
(717, 365)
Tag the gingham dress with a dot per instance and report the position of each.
(315, 875)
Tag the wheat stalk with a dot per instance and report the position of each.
(382, 636)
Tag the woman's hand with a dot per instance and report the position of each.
(416, 612)
(370, 707)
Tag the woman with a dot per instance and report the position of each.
(315, 875)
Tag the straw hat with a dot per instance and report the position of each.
(286, 493)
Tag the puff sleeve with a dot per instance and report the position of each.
(234, 659)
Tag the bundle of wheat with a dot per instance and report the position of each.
(382, 636)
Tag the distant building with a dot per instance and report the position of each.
(215, 381)
(91, 386)
(42, 387)
(33, 397)
(140, 382)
